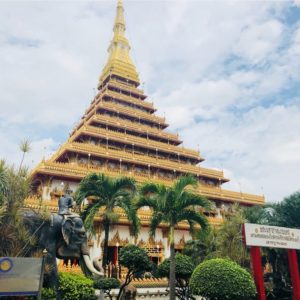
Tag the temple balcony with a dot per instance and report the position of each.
(138, 128)
(122, 86)
(122, 98)
(77, 172)
(130, 100)
(138, 159)
(131, 139)
(132, 113)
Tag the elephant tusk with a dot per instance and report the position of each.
(90, 266)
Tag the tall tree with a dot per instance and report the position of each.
(287, 212)
(108, 193)
(171, 205)
(25, 148)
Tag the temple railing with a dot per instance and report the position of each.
(131, 112)
(145, 160)
(134, 126)
(128, 99)
(126, 87)
(113, 134)
(122, 97)
(78, 172)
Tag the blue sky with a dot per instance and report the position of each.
(224, 73)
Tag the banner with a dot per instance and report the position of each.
(20, 275)
(272, 236)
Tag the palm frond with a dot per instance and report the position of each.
(193, 216)
(146, 201)
(125, 183)
(88, 216)
(156, 219)
(151, 188)
(184, 182)
(189, 199)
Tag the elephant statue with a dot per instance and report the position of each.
(64, 237)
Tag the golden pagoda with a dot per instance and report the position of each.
(120, 135)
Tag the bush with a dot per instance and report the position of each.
(184, 267)
(75, 287)
(48, 294)
(217, 279)
(106, 285)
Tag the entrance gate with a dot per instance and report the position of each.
(257, 236)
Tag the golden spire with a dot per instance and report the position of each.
(119, 62)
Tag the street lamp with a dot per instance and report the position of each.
(89, 159)
(120, 165)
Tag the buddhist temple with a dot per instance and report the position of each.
(120, 134)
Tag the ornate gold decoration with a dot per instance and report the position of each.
(116, 241)
(119, 62)
(181, 244)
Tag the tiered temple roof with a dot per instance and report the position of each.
(120, 135)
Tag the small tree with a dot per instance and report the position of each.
(184, 267)
(136, 261)
(218, 278)
(106, 285)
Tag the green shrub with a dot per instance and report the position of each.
(75, 287)
(106, 284)
(217, 279)
(184, 267)
(48, 294)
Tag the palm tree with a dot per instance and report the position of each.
(171, 205)
(108, 193)
(25, 148)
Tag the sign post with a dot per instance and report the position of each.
(257, 236)
(294, 270)
(258, 272)
(20, 276)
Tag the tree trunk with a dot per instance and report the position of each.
(105, 247)
(20, 167)
(172, 265)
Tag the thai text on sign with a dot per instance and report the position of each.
(272, 236)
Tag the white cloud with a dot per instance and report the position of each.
(259, 40)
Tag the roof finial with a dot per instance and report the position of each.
(120, 20)
(119, 62)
